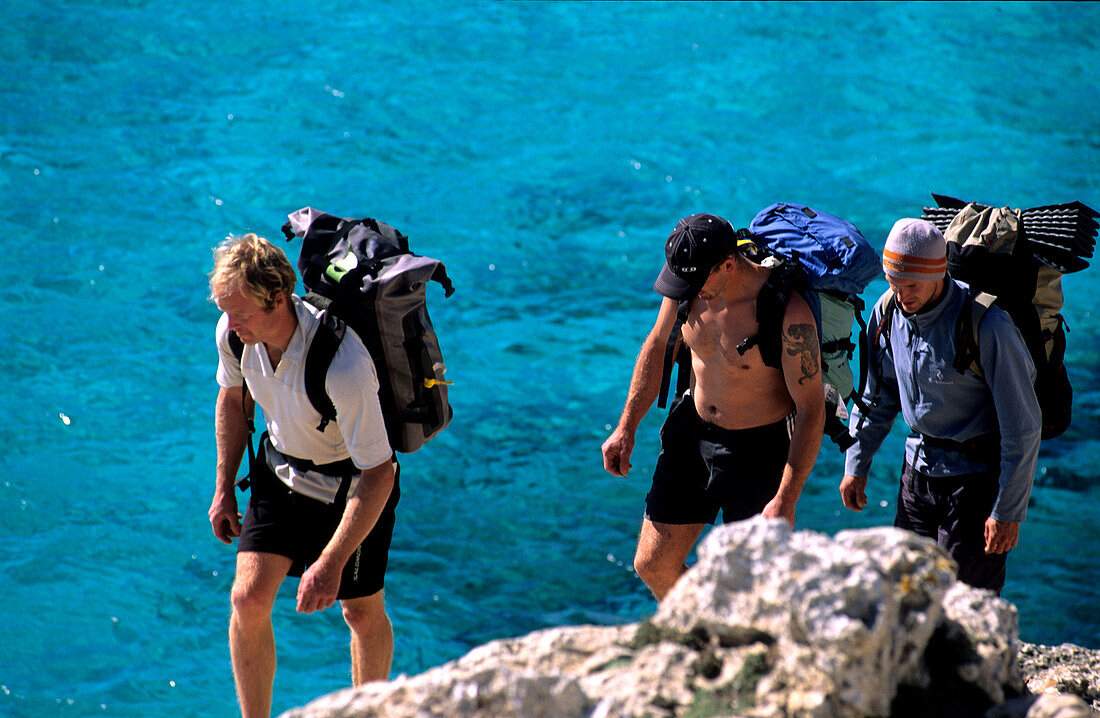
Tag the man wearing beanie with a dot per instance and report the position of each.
(743, 438)
(971, 454)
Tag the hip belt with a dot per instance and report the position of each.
(986, 447)
(312, 473)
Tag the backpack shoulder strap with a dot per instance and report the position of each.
(967, 351)
(858, 389)
(249, 408)
(771, 303)
(889, 303)
(236, 345)
(671, 357)
(318, 358)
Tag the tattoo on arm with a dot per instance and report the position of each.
(800, 340)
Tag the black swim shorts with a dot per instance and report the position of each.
(703, 468)
(286, 523)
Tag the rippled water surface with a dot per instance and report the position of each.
(543, 151)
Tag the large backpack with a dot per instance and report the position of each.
(826, 260)
(362, 274)
(1016, 258)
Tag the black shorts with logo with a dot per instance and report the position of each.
(704, 468)
(286, 523)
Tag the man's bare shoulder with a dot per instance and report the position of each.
(798, 312)
(801, 346)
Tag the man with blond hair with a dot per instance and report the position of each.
(322, 503)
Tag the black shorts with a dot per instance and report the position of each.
(703, 468)
(285, 523)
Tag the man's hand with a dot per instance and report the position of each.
(224, 518)
(776, 509)
(853, 492)
(616, 452)
(1001, 536)
(319, 585)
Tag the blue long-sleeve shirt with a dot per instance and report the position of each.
(916, 378)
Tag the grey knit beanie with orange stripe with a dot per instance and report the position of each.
(915, 249)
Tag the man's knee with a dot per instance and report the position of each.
(256, 584)
(658, 564)
(249, 601)
(662, 550)
(647, 564)
(365, 613)
(658, 571)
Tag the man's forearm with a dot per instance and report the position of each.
(1019, 456)
(645, 382)
(365, 505)
(645, 385)
(231, 436)
(805, 445)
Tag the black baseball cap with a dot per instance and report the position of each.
(698, 243)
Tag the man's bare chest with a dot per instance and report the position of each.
(714, 337)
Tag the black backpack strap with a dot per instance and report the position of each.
(319, 356)
(889, 304)
(345, 470)
(245, 481)
(986, 447)
(857, 392)
(967, 351)
(771, 303)
(671, 357)
(237, 347)
(836, 430)
(683, 370)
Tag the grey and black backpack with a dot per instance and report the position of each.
(1015, 258)
(362, 274)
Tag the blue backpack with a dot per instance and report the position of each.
(826, 260)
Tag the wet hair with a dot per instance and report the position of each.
(255, 267)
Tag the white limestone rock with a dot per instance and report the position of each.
(767, 624)
(850, 615)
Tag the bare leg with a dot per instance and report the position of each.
(371, 638)
(251, 637)
(662, 549)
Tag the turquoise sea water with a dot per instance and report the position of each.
(543, 151)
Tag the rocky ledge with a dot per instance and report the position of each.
(768, 623)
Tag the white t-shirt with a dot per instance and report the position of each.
(352, 384)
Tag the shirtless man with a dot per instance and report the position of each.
(744, 437)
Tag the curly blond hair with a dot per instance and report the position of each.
(255, 267)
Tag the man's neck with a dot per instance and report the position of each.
(935, 299)
(746, 281)
(284, 332)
